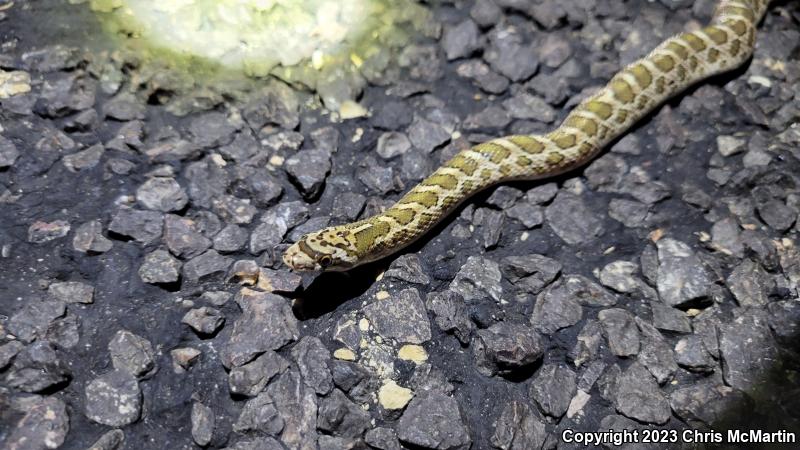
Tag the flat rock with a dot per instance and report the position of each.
(530, 273)
(162, 194)
(747, 349)
(518, 428)
(266, 323)
(44, 426)
(113, 399)
(682, 278)
(478, 278)
(506, 347)
(620, 331)
(402, 317)
(160, 267)
(572, 221)
(555, 309)
(433, 420)
(206, 265)
(143, 226)
(552, 388)
(312, 359)
(131, 353)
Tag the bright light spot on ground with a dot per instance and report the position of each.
(307, 40)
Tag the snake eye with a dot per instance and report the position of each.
(325, 261)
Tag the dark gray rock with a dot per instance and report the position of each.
(37, 368)
(64, 332)
(251, 378)
(668, 318)
(376, 177)
(655, 353)
(261, 443)
(530, 215)
(408, 268)
(89, 238)
(259, 414)
(631, 213)
(204, 321)
(530, 273)
(33, 319)
(682, 278)
(143, 226)
(784, 319)
(450, 313)
(691, 353)
(636, 395)
(297, 406)
(572, 221)
(555, 309)
(231, 239)
(588, 343)
(777, 214)
(491, 224)
(402, 317)
(477, 279)
(212, 129)
(433, 420)
(277, 104)
(8, 153)
(162, 194)
(267, 234)
(8, 351)
(747, 350)
(113, 399)
(111, 440)
(461, 40)
(750, 284)
(44, 426)
(311, 225)
(132, 354)
(348, 205)
(233, 209)
(206, 265)
(312, 359)
(486, 12)
(266, 323)
(160, 267)
(203, 423)
(124, 106)
(359, 383)
(526, 106)
(392, 143)
(341, 417)
(308, 169)
(504, 197)
(486, 78)
(707, 404)
(506, 347)
(382, 438)
(618, 275)
(427, 135)
(518, 428)
(72, 292)
(552, 389)
(509, 56)
(492, 118)
(620, 331)
(392, 115)
(40, 232)
(726, 237)
(182, 237)
(84, 159)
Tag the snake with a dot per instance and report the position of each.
(677, 63)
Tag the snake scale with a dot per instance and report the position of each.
(632, 93)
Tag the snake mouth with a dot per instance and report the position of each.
(298, 260)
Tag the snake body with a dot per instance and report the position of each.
(632, 93)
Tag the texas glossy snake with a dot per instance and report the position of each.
(631, 94)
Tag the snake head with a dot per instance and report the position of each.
(330, 249)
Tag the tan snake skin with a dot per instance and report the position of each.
(630, 95)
